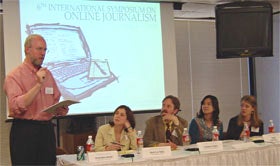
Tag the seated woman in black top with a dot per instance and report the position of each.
(249, 115)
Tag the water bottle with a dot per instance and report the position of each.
(271, 126)
(185, 137)
(246, 131)
(139, 141)
(89, 144)
(215, 134)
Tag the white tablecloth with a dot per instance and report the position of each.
(263, 154)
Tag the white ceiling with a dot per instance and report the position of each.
(201, 1)
(197, 8)
(183, 1)
(201, 9)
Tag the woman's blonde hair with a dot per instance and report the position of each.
(254, 120)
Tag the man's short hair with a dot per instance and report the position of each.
(28, 40)
(174, 100)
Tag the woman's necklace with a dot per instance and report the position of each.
(246, 119)
(208, 123)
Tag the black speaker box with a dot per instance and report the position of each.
(244, 29)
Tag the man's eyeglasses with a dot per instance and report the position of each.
(40, 49)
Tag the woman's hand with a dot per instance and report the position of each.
(113, 146)
(127, 124)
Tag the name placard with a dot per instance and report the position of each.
(161, 151)
(272, 137)
(102, 156)
(244, 145)
(211, 146)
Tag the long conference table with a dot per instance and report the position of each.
(264, 154)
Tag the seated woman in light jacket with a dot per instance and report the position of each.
(119, 134)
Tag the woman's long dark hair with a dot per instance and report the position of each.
(129, 115)
(216, 111)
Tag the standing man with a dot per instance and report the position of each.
(30, 89)
(165, 129)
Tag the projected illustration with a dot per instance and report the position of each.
(69, 59)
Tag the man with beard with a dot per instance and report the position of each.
(30, 88)
(165, 129)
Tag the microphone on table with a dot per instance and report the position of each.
(128, 156)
